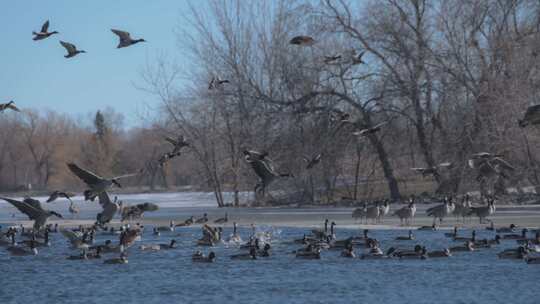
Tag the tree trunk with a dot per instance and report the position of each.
(393, 186)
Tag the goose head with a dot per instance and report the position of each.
(139, 40)
(172, 244)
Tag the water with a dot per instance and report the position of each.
(170, 276)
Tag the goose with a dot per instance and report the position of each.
(313, 161)
(235, 237)
(431, 170)
(86, 256)
(77, 239)
(453, 233)
(489, 165)
(469, 246)
(357, 59)
(222, 220)
(120, 260)
(157, 247)
(302, 40)
(359, 213)
(216, 82)
(46, 241)
(464, 209)
(321, 233)
(128, 237)
(531, 116)
(310, 253)
(377, 254)
(465, 239)
(484, 211)
(96, 183)
(330, 59)
(440, 253)
(265, 252)
(33, 209)
(533, 260)
(177, 145)
(200, 258)
(420, 253)
(348, 252)
(202, 220)
(137, 211)
(167, 228)
(210, 236)
(517, 253)
(485, 243)
(155, 232)
(533, 241)
(372, 213)
(384, 209)
(370, 130)
(58, 194)
(406, 214)
(109, 209)
(71, 49)
(364, 236)
(21, 251)
(441, 211)
(74, 210)
(522, 236)
(9, 105)
(252, 255)
(410, 237)
(509, 229)
(125, 39)
(264, 170)
(8, 239)
(187, 222)
(44, 33)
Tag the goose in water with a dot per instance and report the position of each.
(252, 255)
(302, 40)
(517, 253)
(453, 233)
(167, 228)
(222, 220)
(77, 239)
(33, 209)
(264, 169)
(484, 211)
(96, 183)
(200, 258)
(33, 242)
(125, 39)
(348, 252)
(509, 229)
(406, 214)
(21, 251)
(8, 238)
(531, 116)
(441, 211)
(187, 222)
(157, 247)
(410, 237)
(321, 233)
(419, 253)
(313, 161)
(9, 105)
(310, 252)
(109, 209)
(120, 260)
(469, 246)
(533, 241)
(466, 239)
(71, 49)
(522, 236)
(533, 260)
(202, 220)
(58, 194)
(128, 237)
(235, 237)
(44, 32)
(440, 253)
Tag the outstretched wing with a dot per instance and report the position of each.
(85, 175)
(104, 199)
(69, 47)
(14, 108)
(124, 36)
(45, 27)
(128, 175)
(501, 163)
(24, 207)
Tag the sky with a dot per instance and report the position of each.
(36, 75)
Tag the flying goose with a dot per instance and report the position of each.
(216, 82)
(223, 219)
(311, 162)
(33, 209)
(302, 40)
(9, 105)
(370, 130)
(484, 211)
(96, 183)
(357, 59)
(71, 49)
(330, 59)
(137, 211)
(125, 39)
(264, 170)
(109, 209)
(177, 144)
(57, 194)
(531, 116)
(44, 32)
(432, 170)
(441, 211)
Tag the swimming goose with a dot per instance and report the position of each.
(109, 209)
(522, 236)
(452, 234)
(202, 220)
(137, 211)
(310, 253)
(33, 209)
(410, 237)
(167, 228)
(440, 254)
(348, 252)
(465, 239)
(469, 246)
(9, 105)
(77, 239)
(157, 247)
(264, 169)
(44, 32)
(485, 243)
(21, 251)
(33, 242)
(96, 183)
(187, 222)
(484, 211)
(509, 229)
(57, 194)
(235, 237)
(71, 49)
(419, 252)
(533, 260)
(406, 214)
(441, 211)
(265, 252)
(302, 40)
(311, 162)
(200, 258)
(378, 254)
(222, 220)
(516, 253)
(534, 241)
(125, 39)
(363, 237)
(120, 260)
(370, 130)
(531, 116)
(252, 255)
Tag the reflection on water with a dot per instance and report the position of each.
(170, 276)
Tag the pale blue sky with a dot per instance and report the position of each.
(36, 75)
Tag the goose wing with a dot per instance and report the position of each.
(104, 199)
(45, 27)
(86, 176)
(69, 47)
(13, 107)
(127, 175)
(27, 208)
(171, 140)
(53, 196)
(124, 36)
(501, 163)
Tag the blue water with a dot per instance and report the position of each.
(170, 276)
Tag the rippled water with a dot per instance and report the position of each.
(170, 276)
